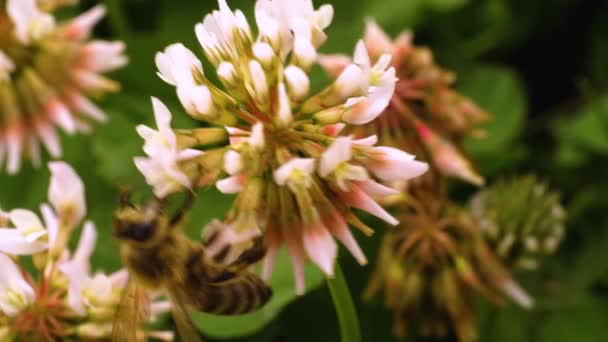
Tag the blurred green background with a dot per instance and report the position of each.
(540, 66)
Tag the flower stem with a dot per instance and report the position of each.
(117, 18)
(345, 308)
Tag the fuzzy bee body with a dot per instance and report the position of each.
(159, 256)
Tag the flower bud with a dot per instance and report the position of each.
(304, 52)
(258, 85)
(227, 74)
(298, 83)
(197, 101)
(264, 54)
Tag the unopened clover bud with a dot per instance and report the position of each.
(227, 74)
(348, 83)
(304, 52)
(197, 101)
(284, 106)
(258, 85)
(94, 330)
(178, 65)
(187, 138)
(298, 83)
(269, 29)
(264, 54)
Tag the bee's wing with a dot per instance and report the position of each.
(133, 309)
(181, 315)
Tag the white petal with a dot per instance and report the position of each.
(230, 185)
(321, 248)
(233, 162)
(25, 220)
(257, 139)
(85, 247)
(13, 242)
(304, 165)
(339, 151)
(298, 83)
(11, 280)
(66, 191)
(392, 164)
(51, 222)
(349, 81)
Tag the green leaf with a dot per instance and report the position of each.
(583, 320)
(598, 51)
(282, 283)
(498, 90)
(584, 132)
(407, 14)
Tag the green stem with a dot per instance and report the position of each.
(117, 18)
(345, 308)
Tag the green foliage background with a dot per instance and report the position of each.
(540, 66)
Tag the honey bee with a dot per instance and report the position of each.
(159, 256)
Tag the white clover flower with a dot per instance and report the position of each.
(163, 174)
(59, 298)
(296, 180)
(161, 166)
(16, 294)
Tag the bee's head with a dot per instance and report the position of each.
(140, 225)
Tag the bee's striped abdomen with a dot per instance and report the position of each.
(236, 296)
(219, 290)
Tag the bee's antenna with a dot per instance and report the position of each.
(124, 197)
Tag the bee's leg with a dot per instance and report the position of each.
(250, 256)
(179, 216)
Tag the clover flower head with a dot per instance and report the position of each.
(61, 298)
(295, 179)
(421, 100)
(55, 67)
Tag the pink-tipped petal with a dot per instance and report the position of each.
(340, 230)
(320, 247)
(14, 147)
(334, 64)
(391, 164)
(376, 189)
(376, 40)
(85, 106)
(49, 138)
(81, 26)
(61, 115)
(269, 261)
(357, 198)
(297, 260)
(231, 185)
